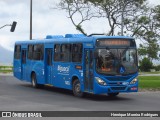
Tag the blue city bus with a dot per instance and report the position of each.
(96, 64)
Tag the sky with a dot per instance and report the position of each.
(46, 21)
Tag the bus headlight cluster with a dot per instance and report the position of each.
(100, 81)
(134, 81)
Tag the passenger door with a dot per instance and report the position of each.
(88, 70)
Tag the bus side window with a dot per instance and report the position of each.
(65, 52)
(30, 52)
(38, 52)
(57, 52)
(17, 52)
(77, 53)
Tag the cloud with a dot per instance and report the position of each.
(9, 13)
(5, 40)
(45, 21)
(154, 2)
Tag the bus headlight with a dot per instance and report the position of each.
(134, 81)
(100, 81)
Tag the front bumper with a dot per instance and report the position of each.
(99, 89)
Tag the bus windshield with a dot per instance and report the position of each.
(116, 61)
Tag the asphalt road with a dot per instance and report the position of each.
(16, 95)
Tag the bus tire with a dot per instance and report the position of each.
(34, 81)
(113, 94)
(77, 88)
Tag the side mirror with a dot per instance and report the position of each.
(13, 26)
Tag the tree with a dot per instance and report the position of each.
(113, 10)
(78, 9)
(157, 68)
(116, 12)
(149, 33)
(149, 50)
(146, 65)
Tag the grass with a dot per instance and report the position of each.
(6, 69)
(149, 82)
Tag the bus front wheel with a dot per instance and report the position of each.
(77, 89)
(112, 94)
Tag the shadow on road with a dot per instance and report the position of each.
(87, 96)
(105, 98)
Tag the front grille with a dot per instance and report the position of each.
(118, 78)
(118, 88)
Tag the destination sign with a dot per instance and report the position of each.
(113, 42)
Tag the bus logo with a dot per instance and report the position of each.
(63, 69)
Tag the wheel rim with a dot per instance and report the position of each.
(77, 88)
(33, 81)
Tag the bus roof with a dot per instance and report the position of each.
(70, 38)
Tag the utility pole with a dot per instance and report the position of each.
(122, 21)
(30, 19)
(123, 2)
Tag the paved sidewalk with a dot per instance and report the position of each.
(149, 74)
(6, 74)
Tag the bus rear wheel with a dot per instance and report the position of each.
(113, 94)
(77, 88)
